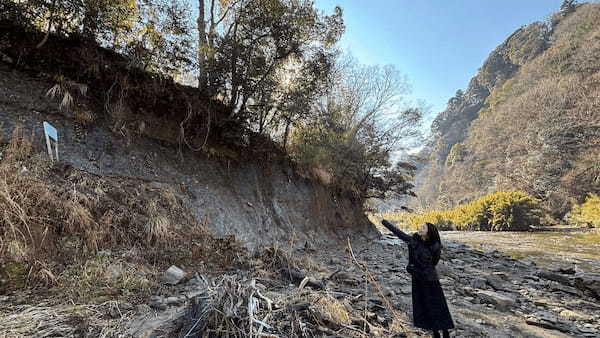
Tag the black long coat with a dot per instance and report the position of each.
(430, 310)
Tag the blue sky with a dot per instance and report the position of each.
(438, 44)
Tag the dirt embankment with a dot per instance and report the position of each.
(99, 227)
(259, 200)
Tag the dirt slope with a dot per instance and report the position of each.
(260, 200)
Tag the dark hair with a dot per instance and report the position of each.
(433, 235)
(434, 242)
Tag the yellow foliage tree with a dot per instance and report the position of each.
(500, 211)
(587, 213)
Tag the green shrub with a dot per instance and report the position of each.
(587, 213)
(500, 211)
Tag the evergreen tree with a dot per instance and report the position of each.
(568, 6)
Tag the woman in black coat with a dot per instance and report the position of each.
(430, 310)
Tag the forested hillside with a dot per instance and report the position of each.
(224, 78)
(529, 120)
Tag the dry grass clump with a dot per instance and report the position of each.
(48, 320)
(53, 217)
(276, 258)
(332, 310)
(33, 210)
(19, 147)
(104, 277)
(157, 228)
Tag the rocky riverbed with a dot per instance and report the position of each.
(353, 290)
(489, 293)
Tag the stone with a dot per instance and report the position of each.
(574, 315)
(495, 282)
(589, 332)
(553, 276)
(406, 290)
(446, 281)
(547, 320)
(126, 306)
(173, 275)
(501, 274)
(501, 301)
(542, 302)
(566, 271)
(565, 289)
(173, 301)
(157, 302)
(531, 277)
(590, 282)
(479, 283)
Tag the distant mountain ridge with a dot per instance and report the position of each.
(501, 132)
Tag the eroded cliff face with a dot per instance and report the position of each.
(260, 199)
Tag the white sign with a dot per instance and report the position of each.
(51, 135)
(50, 131)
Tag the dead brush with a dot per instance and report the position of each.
(286, 263)
(33, 213)
(20, 146)
(48, 320)
(228, 307)
(224, 252)
(278, 258)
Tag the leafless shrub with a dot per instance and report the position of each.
(228, 306)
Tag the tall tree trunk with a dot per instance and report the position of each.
(90, 20)
(202, 47)
(288, 123)
(50, 22)
(234, 75)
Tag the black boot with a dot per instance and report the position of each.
(436, 334)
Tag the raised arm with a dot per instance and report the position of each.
(396, 231)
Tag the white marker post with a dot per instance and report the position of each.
(51, 134)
